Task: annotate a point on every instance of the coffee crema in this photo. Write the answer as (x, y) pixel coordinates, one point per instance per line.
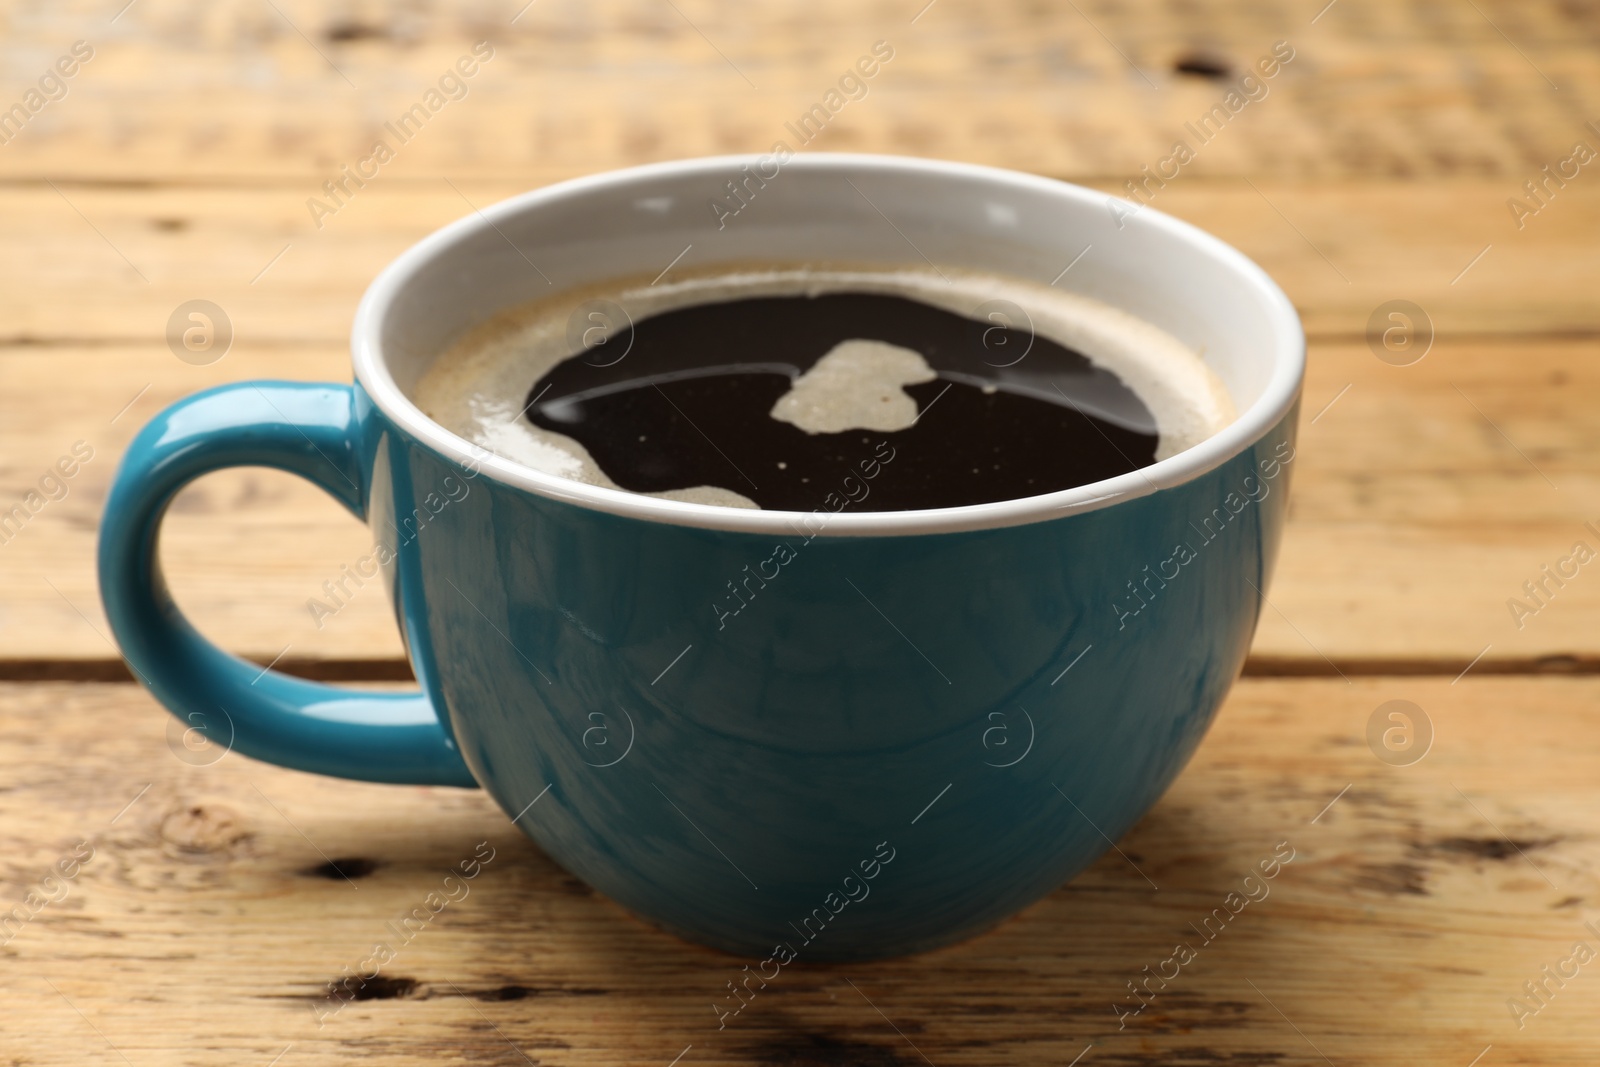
(771, 387)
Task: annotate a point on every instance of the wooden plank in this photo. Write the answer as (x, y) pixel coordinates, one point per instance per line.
(1425, 498)
(1420, 508)
(185, 91)
(107, 263)
(111, 264)
(206, 926)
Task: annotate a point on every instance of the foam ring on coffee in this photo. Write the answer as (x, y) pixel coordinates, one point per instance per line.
(478, 388)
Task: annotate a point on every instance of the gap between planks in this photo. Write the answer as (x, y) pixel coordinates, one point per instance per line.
(1313, 336)
(397, 670)
(292, 182)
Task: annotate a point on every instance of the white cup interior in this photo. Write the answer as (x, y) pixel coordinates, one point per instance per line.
(840, 208)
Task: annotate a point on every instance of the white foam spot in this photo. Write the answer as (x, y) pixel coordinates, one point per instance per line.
(855, 386)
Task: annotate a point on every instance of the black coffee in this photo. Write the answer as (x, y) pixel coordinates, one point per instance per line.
(1011, 414)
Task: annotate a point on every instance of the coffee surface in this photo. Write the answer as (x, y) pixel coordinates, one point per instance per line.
(694, 401)
(799, 389)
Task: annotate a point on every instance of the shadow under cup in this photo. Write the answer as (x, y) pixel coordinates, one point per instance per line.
(819, 736)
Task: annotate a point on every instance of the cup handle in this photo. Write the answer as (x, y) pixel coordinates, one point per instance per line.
(307, 429)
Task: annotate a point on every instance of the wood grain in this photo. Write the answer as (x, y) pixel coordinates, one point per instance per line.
(185, 91)
(213, 913)
(1420, 506)
(1401, 499)
(111, 264)
(207, 924)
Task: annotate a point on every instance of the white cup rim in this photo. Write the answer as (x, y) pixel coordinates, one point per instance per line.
(1274, 401)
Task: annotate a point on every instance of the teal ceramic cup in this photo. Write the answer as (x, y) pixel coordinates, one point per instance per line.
(916, 723)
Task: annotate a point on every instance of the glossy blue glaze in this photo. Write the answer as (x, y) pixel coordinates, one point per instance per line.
(309, 430)
(727, 775)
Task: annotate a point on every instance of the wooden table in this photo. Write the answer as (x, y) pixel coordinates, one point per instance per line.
(211, 902)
